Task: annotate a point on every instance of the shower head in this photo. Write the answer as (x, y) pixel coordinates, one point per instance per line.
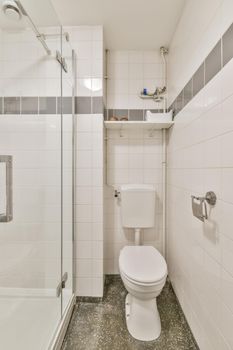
(11, 10)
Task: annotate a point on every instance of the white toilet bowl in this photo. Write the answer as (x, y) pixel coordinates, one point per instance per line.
(143, 271)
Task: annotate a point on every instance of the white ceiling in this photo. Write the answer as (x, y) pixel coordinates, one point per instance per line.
(128, 24)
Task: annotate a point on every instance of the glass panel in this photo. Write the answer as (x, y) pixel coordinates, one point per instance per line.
(67, 160)
(31, 133)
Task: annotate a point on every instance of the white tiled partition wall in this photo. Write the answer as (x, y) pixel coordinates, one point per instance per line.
(87, 41)
(88, 44)
(200, 255)
(89, 206)
(133, 156)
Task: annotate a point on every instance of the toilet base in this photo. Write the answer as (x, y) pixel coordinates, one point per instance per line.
(142, 318)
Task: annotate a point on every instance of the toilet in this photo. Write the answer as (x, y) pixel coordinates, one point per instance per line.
(142, 268)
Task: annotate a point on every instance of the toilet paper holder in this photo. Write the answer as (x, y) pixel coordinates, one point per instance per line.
(199, 207)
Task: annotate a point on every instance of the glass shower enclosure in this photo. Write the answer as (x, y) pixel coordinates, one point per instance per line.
(37, 137)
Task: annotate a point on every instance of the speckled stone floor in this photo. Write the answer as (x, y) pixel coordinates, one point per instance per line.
(101, 326)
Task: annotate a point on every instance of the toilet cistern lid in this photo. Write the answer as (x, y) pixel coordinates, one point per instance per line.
(142, 264)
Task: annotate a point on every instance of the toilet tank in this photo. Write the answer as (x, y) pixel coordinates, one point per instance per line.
(137, 206)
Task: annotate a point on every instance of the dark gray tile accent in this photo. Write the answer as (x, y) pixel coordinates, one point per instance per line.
(180, 101)
(97, 104)
(188, 92)
(199, 79)
(119, 113)
(110, 114)
(47, 105)
(1, 105)
(11, 105)
(155, 110)
(136, 114)
(213, 62)
(174, 108)
(82, 105)
(132, 114)
(29, 105)
(227, 46)
(66, 105)
(105, 114)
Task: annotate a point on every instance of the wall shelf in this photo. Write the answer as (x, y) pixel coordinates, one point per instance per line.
(147, 97)
(126, 125)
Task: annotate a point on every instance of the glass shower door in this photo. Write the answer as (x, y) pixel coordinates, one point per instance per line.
(31, 179)
(30, 231)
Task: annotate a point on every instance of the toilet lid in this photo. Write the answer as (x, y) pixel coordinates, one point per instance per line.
(142, 264)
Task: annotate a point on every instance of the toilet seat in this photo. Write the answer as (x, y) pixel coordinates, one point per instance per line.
(143, 284)
(143, 265)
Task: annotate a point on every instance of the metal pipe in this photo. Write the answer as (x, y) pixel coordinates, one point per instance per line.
(165, 79)
(163, 52)
(39, 36)
(164, 195)
(74, 147)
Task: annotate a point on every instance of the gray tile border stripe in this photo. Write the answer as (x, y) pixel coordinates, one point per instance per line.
(136, 114)
(11, 105)
(132, 114)
(213, 62)
(66, 105)
(219, 56)
(199, 79)
(29, 105)
(188, 92)
(47, 105)
(82, 105)
(50, 105)
(227, 46)
(97, 104)
(118, 113)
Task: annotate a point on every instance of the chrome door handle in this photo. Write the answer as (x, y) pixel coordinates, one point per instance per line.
(8, 215)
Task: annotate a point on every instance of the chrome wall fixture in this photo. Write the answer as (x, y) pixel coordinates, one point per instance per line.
(34, 28)
(47, 36)
(42, 37)
(199, 207)
(62, 61)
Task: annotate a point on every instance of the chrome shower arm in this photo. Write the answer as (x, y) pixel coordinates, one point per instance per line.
(39, 36)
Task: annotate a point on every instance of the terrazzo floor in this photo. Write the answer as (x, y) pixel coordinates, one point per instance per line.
(101, 326)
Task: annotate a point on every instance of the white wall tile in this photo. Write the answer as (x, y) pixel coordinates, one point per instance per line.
(129, 72)
(199, 160)
(89, 208)
(128, 161)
